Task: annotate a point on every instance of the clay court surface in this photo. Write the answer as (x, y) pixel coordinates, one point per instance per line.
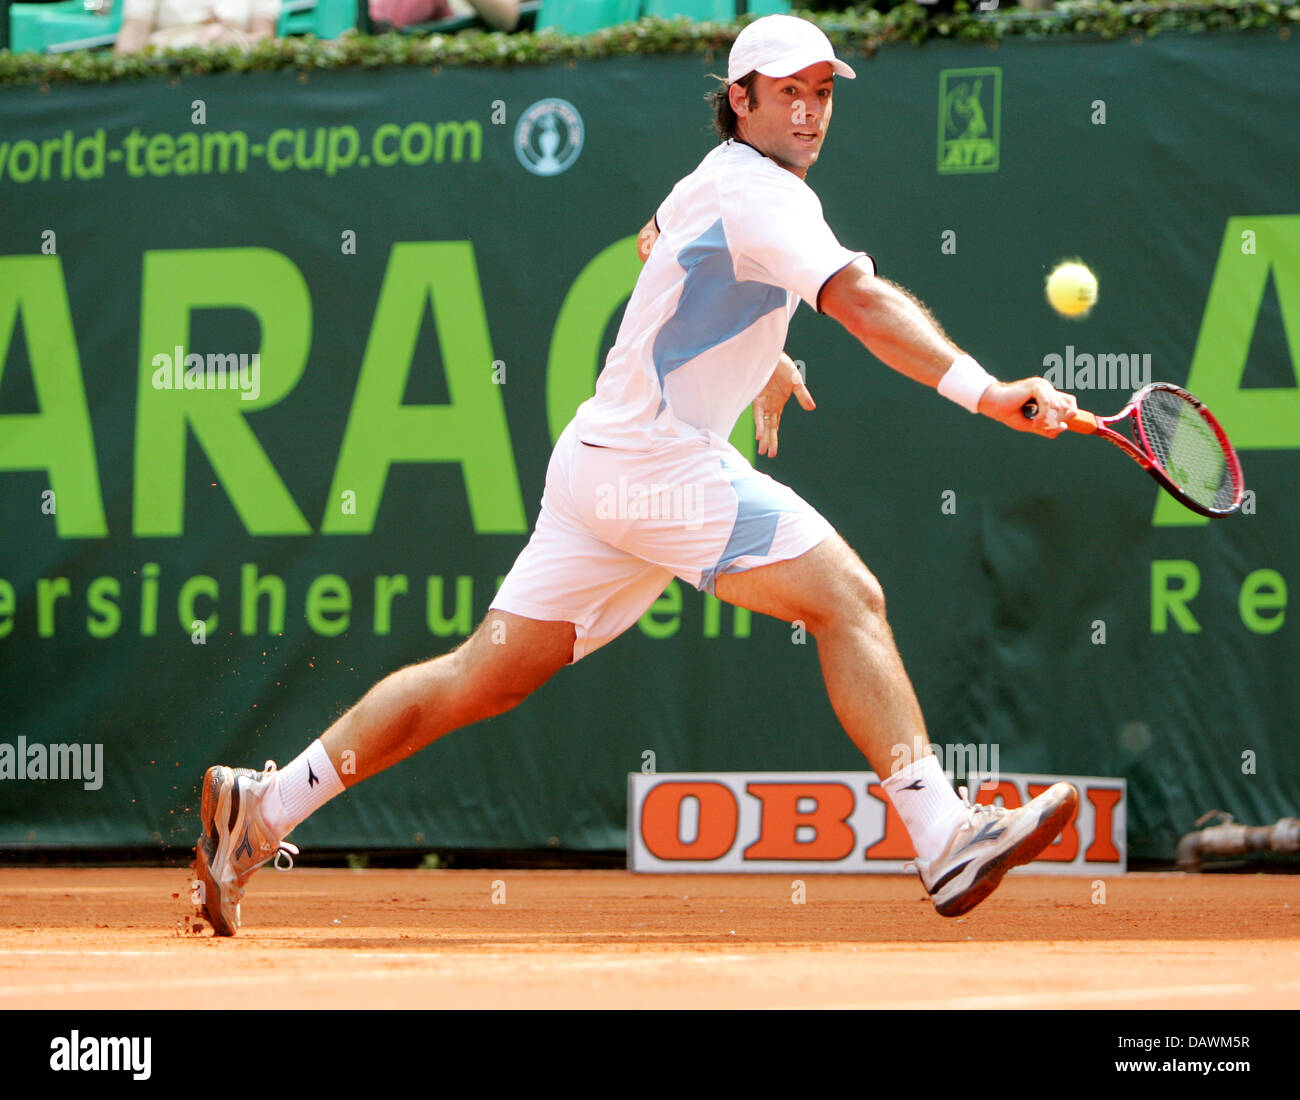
(609, 939)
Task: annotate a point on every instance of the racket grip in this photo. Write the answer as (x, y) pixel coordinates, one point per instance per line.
(1083, 422)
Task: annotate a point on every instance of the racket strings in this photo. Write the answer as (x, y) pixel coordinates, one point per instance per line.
(1187, 449)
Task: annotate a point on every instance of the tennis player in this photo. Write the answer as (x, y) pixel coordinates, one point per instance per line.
(728, 257)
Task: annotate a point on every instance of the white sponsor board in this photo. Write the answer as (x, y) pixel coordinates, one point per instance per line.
(837, 821)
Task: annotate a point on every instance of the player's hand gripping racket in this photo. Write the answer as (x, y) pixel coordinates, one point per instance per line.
(1177, 441)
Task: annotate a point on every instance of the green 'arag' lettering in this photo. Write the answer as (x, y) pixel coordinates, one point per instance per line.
(470, 429)
(571, 369)
(1255, 419)
(57, 439)
(270, 287)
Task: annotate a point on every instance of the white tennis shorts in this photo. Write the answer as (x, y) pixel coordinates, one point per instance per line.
(616, 526)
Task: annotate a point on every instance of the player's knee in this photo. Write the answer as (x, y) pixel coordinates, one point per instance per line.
(504, 693)
(494, 681)
(870, 596)
(501, 699)
(857, 601)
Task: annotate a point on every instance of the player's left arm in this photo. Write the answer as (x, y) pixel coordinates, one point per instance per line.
(897, 328)
(768, 406)
(645, 240)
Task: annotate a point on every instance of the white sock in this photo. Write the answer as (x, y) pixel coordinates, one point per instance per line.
(926, 802)
(299, 789)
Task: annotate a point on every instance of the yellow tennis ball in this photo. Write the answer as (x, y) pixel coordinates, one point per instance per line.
(1072, 289)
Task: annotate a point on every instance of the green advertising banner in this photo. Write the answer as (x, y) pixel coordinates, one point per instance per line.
(283, 357)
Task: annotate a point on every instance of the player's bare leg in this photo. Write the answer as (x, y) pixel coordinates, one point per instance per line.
(842, 605)
(503, 662)
(246, 814)
(962, 851)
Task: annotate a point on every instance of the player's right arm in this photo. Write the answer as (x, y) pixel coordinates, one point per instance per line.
(899, 331)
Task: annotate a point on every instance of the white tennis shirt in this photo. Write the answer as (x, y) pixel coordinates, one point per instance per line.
(741, 241)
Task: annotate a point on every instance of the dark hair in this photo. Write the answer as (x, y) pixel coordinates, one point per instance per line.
(725, 120)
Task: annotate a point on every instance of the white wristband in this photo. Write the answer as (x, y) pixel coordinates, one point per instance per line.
(965, 383)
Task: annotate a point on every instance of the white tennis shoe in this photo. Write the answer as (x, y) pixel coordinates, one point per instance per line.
(989, 842)
(234, 843)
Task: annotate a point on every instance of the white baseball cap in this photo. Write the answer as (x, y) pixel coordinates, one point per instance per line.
(781, 45)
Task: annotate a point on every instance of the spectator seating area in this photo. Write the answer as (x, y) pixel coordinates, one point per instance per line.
(584, 16)
(68, 25)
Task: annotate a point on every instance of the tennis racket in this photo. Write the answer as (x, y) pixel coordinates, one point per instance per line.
(1177, 441)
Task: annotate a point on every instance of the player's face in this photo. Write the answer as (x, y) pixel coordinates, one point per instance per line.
(790, 119)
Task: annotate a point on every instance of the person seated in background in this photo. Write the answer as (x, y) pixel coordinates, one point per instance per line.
(195, 23)
(501, 15)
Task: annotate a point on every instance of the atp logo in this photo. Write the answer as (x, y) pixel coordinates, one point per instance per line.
(970, 120)
(548, 137)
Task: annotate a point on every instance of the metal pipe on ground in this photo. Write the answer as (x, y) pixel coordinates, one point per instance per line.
(1231, 839)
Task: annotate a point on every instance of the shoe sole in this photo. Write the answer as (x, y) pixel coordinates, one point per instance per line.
(216, 801)
(1045, 832)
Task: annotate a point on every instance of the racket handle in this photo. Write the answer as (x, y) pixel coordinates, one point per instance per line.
(1083, 422)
